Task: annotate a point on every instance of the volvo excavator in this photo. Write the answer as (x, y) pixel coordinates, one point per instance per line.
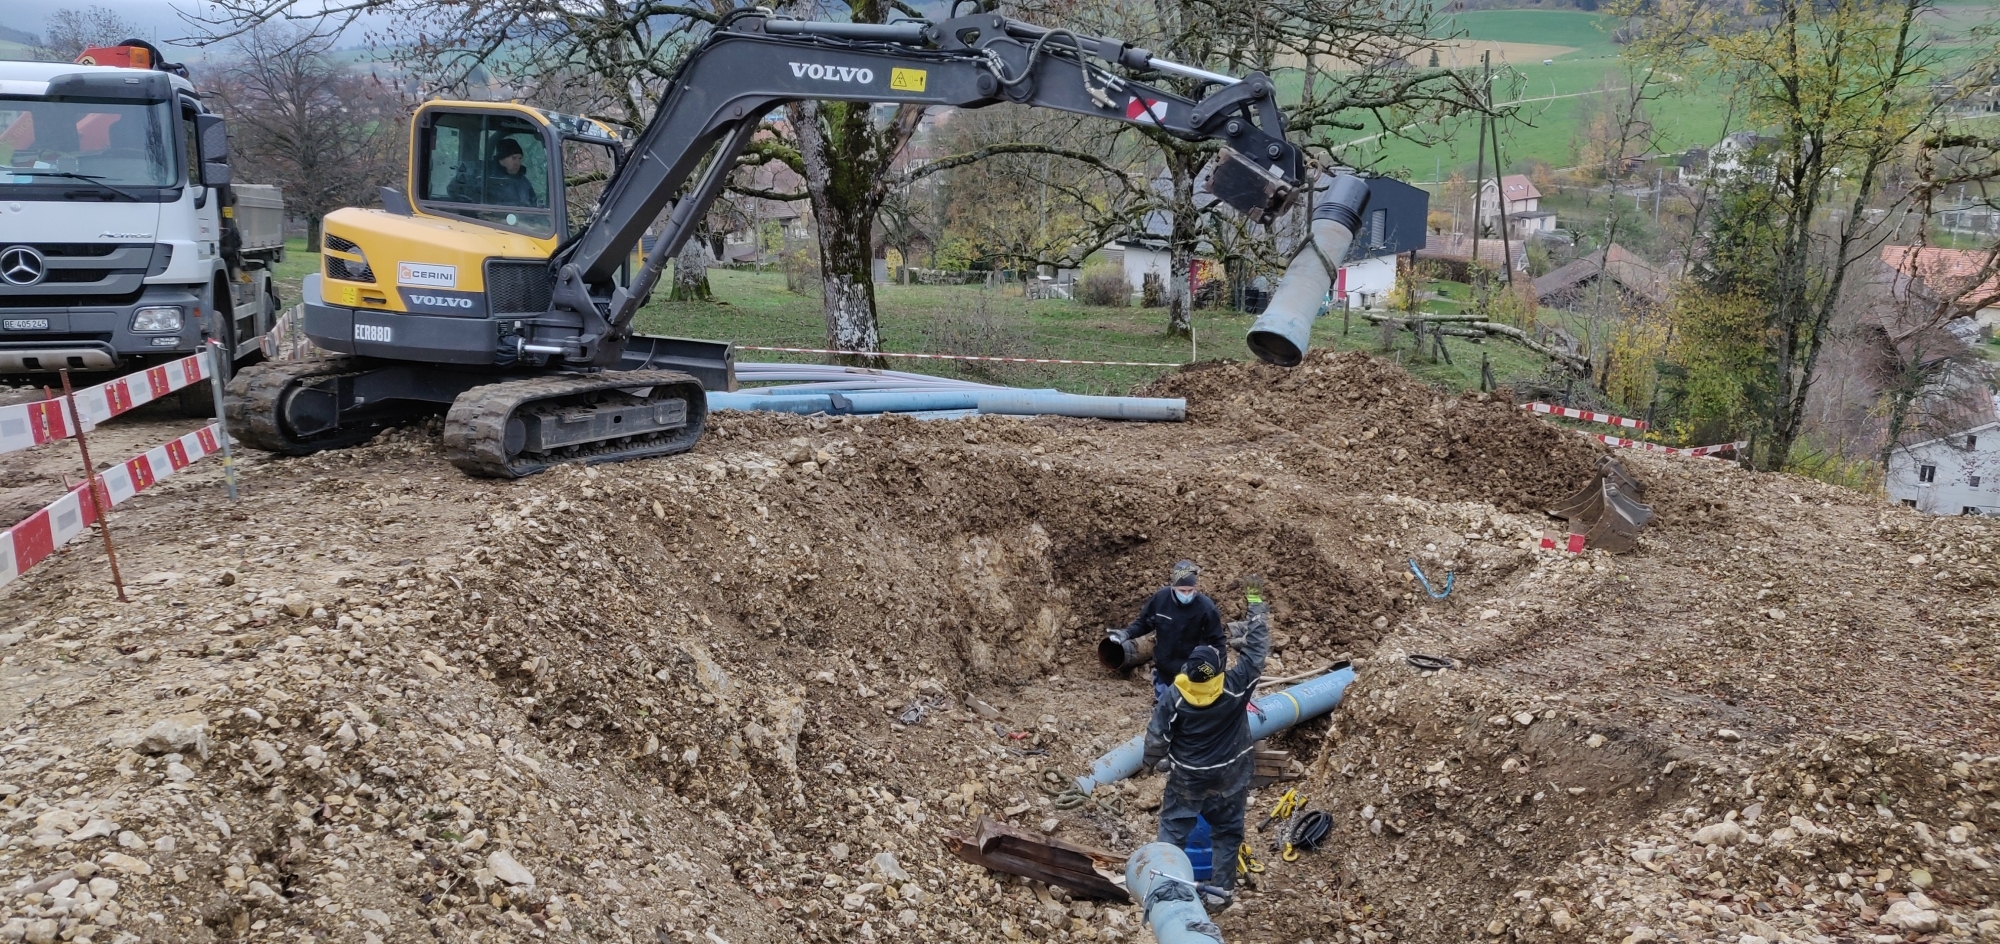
(501, 292)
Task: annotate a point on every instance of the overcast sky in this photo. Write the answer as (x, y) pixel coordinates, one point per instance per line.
(157, 20)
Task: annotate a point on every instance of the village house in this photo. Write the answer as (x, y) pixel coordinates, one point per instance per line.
(1634, 282)
(1957, 474)
(1962, 275)
(1525, 216)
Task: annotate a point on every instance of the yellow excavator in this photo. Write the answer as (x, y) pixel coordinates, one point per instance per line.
(499, 290)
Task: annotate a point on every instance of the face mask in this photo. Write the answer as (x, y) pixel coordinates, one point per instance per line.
(1184, 595)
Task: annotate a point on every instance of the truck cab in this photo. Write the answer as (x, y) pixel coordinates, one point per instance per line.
(122, 241)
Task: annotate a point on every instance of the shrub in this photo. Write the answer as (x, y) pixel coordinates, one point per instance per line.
(1104, 287)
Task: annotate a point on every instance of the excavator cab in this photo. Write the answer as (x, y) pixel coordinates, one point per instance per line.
(494, 188)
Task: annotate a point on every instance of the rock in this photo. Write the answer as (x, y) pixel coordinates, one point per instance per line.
(297, 606)
(379, 918)
(1724, 834)
(504, 868)
(119, 861)
(176, 735)
(472, 842)
(103, 889)
(1562, 920)
(797, 451)
(837, 852)
(1595, 740)
(1908, 917)
(886, 866)
(1728, 735)
(854, 901)
(1524, 718)
(911, 893)
(42, 932)
(1640, 935)
(94, 829)
(1750, 814)
(1920, 878)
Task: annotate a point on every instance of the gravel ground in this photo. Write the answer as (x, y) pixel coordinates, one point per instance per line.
(378, 701)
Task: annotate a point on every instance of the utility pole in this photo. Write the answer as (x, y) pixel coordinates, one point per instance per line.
(1479, 176)
(1499, 179)
(1659, 181)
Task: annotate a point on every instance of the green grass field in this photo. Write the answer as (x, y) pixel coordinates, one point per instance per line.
(753, 308)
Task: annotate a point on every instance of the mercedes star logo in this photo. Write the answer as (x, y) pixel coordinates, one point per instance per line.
(22, 265)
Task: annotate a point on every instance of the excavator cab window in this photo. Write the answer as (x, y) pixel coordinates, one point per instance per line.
(493, 168)
(587, 167)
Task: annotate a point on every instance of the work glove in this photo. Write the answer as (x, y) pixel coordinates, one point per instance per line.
(1115, 635)
(1253, 588)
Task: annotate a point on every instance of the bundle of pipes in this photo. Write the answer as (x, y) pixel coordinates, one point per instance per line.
(846, 390)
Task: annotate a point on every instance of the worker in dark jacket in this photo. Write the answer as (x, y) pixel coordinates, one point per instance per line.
(1204, 736)
(1180, 618)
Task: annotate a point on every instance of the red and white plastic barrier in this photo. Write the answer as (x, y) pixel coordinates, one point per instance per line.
(1622, 443)
(27, 425)
(33, 540)
(1572, 543)
(1585, 415)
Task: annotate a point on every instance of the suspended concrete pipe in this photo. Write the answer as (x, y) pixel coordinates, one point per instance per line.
(1273, 713)
(1161, 879)
(1124, 655)
(1281, 334)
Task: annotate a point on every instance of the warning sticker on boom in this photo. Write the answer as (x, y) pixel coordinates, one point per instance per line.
(908, 80)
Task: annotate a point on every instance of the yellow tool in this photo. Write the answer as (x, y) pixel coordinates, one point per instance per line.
(1246, 861)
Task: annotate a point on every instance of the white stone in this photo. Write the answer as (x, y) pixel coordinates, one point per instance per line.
(121, 862)
(380, 918)
(507, 870)
(1723, 834)
(1908, 917)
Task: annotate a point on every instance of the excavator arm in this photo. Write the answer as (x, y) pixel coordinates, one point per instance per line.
(755, 61)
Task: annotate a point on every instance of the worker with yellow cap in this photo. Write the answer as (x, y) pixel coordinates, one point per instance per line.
(1203, 730)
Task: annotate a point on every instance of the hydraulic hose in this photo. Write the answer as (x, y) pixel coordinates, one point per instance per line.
(1283, 332)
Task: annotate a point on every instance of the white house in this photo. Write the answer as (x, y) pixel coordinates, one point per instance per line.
(1525, 216)
(1957, 474)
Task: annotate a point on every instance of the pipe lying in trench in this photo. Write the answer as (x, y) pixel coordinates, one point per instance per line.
(1283, 332)
(1161, 879)
(1274, 713)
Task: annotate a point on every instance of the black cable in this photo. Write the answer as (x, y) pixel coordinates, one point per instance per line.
(1311, 828)
(1431, 663)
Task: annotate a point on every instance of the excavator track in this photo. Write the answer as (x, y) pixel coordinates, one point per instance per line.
(257, 400)
(485, 431)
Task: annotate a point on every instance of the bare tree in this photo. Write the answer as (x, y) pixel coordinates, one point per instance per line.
(69, 31)
(327, 134)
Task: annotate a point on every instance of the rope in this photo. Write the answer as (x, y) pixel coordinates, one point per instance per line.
(1449, 577)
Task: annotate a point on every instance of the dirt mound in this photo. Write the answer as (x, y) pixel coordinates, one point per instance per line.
(737, 695)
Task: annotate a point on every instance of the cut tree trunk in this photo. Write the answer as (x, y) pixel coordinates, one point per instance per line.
(691, 273)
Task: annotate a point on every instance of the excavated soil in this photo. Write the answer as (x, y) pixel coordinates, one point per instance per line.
(738, 695)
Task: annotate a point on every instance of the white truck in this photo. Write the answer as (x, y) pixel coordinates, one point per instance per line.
(123, 242)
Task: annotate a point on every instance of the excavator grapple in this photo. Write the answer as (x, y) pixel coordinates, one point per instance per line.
(1606, 512)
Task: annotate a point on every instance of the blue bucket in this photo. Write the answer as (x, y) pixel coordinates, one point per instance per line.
(1200, 851)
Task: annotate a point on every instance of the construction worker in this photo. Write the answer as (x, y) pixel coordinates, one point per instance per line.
(1204, 738)
(1180, 618)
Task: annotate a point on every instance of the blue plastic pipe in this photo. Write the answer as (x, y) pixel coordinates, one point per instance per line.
(1013, 403)
(1272, 713)
(1036, 402)
(1162, 882)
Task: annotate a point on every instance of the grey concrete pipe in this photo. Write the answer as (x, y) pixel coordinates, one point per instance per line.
(1124, 655)
(1283, 332)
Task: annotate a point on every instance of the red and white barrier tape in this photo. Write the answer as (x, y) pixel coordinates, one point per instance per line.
(1572, 543)
(955, 357)
(27, 425)
(1623, 443)
(33, 540)
(1586, 415)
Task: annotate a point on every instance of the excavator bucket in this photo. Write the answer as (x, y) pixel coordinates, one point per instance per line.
(1607, 511)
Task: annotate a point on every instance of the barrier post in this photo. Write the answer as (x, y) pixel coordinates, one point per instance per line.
(99, 497)
(215, 362)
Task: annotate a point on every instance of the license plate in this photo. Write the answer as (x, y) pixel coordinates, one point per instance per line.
(368, 332)
(26, 324)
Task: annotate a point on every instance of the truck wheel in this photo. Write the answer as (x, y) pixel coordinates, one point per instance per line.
(197, 401)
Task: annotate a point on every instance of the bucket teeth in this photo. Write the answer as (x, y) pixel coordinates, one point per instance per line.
(1607, 511)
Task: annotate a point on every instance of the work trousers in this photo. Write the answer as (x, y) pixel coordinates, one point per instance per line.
(1223, 809)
